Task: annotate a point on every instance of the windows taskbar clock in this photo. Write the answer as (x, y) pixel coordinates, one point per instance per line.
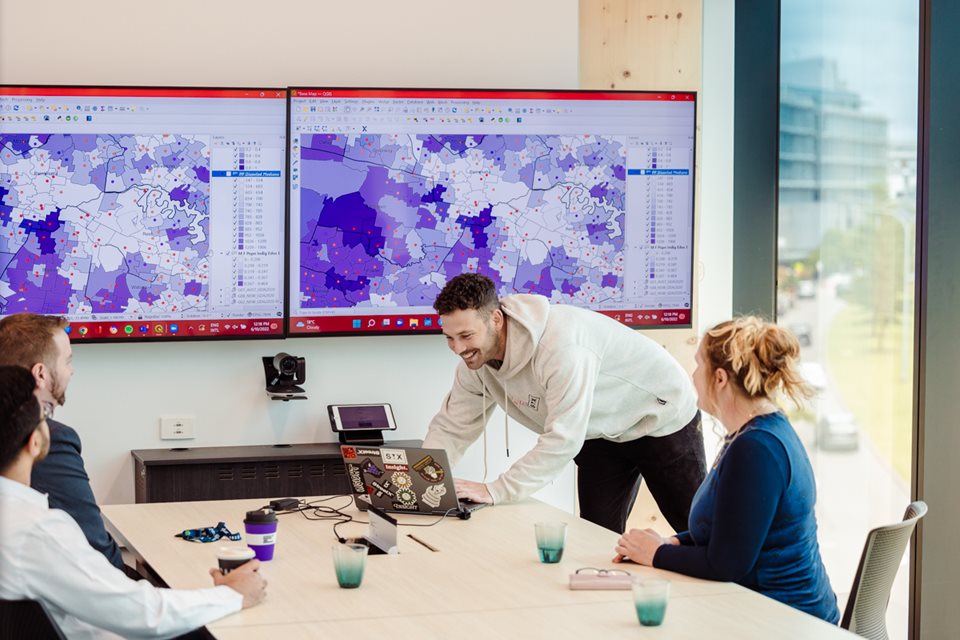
(149, 329)
(430, 323)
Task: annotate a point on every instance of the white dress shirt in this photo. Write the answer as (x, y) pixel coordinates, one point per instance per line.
(44, 556)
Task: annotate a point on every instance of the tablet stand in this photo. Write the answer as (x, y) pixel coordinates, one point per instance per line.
(373, 437)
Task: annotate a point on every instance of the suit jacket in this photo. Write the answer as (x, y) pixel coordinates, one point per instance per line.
(62, 476)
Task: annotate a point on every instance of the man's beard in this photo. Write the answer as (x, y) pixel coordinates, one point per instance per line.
(58, 392)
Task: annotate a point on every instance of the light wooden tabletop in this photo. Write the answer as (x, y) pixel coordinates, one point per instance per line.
(483, 580)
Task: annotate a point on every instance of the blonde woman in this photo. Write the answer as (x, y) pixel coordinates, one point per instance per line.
(752, 520)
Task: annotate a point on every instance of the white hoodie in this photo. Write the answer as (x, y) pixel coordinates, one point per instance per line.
(570, 375)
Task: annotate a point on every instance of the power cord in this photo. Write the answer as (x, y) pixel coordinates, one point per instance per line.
(316, 511)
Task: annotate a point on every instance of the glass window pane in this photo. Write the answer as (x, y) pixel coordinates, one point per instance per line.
(847, 198)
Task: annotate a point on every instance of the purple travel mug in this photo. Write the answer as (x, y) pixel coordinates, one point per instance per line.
(260, 527)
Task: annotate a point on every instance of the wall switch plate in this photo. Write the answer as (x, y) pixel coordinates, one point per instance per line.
(176, 427)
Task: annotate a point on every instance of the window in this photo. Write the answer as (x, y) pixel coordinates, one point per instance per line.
(847, 197)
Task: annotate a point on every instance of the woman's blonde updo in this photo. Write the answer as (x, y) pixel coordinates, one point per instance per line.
(760, 356)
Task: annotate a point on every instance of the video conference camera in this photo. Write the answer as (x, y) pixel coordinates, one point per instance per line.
(283, 373)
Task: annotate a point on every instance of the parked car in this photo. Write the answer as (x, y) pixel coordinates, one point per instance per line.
(806, 289)
(814, 375)
(803, 332)
(838, 432)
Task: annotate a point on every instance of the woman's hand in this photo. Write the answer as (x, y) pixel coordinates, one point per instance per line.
(640, 546)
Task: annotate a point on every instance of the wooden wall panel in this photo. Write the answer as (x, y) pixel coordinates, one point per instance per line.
(653, 45)
(640, 44)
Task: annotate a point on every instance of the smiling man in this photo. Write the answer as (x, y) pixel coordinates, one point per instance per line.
(597, 392)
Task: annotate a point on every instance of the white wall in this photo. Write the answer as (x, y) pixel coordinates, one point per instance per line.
(121, 390)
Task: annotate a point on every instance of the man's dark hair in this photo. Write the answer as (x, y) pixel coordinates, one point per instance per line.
(19, 412)
(468, 291)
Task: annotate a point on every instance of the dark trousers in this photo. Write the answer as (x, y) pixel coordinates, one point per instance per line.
(610, 473)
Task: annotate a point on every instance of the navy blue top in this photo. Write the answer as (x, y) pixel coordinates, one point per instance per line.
(62, 476)
(752, 521)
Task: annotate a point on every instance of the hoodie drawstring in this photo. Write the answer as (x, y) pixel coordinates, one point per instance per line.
(506, 420)
(483, 383)
(506, 417)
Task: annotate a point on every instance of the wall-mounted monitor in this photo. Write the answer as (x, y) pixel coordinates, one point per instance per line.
(144, 213)
(583, 197)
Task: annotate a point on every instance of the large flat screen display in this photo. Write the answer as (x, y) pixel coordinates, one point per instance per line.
(144, 213)
(583, 197)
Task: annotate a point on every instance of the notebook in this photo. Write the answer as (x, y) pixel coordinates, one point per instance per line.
(403, 480)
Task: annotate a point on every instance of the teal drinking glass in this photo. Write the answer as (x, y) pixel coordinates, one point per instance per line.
(349, 561)
(650, 600)
(551, 537)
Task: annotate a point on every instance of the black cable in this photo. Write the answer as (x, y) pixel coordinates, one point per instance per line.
(321, 512)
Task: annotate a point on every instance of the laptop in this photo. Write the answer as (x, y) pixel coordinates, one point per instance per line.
(403, 480)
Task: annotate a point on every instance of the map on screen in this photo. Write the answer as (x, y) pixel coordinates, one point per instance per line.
(144, 213)
(388, 218)
(121, 219)
(583, 197)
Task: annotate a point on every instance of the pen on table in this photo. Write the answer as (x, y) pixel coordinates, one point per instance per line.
(419, 541)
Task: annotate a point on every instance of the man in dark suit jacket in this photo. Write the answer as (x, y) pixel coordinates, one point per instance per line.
(40, 344)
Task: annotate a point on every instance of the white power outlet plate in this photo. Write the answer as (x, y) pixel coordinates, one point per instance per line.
(176, 427)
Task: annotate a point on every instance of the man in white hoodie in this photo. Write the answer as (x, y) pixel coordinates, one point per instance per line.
(597, 392)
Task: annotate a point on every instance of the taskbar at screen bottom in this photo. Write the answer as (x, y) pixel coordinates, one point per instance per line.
(80, 330)
(430, 323)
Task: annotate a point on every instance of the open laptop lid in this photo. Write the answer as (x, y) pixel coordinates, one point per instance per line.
(400, 479)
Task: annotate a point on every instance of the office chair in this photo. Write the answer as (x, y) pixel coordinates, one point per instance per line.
(27, 619)
(866, 611)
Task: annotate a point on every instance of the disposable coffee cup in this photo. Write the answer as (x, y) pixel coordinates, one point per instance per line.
(260, 529)
(229, 558)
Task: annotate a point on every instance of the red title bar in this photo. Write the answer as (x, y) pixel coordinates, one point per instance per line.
(128, 92)
(445, 94)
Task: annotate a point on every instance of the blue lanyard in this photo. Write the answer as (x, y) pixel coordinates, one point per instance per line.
(208, 534)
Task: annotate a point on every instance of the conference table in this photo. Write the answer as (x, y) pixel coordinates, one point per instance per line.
(476, 578)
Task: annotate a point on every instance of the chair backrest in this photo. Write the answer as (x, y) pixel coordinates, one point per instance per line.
(866, 610)
(27, 619)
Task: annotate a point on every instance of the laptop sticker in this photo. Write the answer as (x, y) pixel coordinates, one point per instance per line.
(368, 466)
(394, 456)
(385, 489)
(429, 470)
(406, 497)
(402, 479)
(356, 478)
(433, 494)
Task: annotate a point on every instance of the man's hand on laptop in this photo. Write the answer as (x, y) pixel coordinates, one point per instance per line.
(473, 491)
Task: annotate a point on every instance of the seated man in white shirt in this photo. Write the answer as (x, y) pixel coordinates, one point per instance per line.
(44, 555)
